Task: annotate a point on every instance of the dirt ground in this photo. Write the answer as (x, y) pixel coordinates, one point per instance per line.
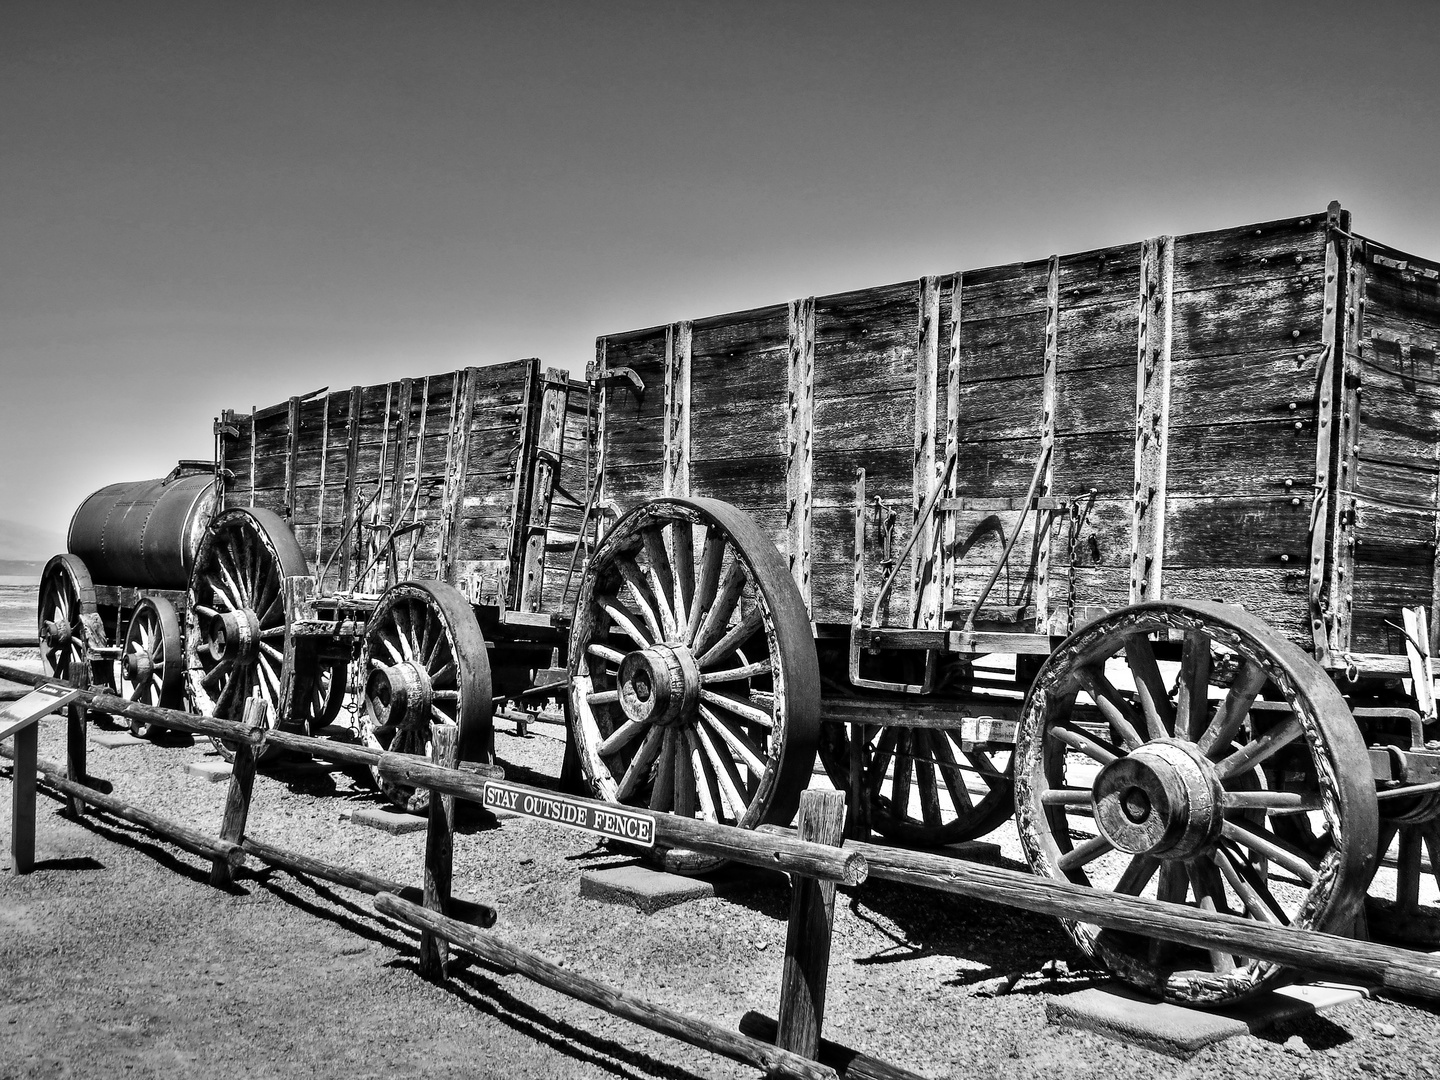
(118, 959)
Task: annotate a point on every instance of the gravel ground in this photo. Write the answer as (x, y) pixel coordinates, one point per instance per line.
(117, 959)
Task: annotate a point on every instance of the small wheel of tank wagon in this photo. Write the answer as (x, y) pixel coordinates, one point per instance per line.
(68, 620)
(425, 662)
(1172, 750)
(694, 683)
(235, 617)
(320, 694)
(151, 668)
(922, 788)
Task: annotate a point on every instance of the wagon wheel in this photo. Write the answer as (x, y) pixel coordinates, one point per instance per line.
(427, 663)
(320, 693)
(1175, 784)
(151, 660)
(694, 684)
(922, 788)
(235, 619)
(68, 620)
(1395, 912)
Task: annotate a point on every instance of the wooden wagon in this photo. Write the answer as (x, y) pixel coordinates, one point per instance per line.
(1186, 488)
(1137, 544)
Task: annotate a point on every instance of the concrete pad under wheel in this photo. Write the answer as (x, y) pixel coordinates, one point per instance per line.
(214, 771)
(394, 822)
(112, 739)
(640, 887)
(1120, 1013)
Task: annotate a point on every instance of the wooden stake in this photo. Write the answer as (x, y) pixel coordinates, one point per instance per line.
(22, 800)
(242, 781)
(75, 753)
(807, 943)
(770, 1059)
(439, 850)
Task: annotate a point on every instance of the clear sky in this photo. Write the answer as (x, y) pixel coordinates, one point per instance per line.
(220, 205)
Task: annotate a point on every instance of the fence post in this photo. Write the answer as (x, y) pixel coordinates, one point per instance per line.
(242, 782)
(22, 799)
(76, 723)
(807, 942)
(439, 850)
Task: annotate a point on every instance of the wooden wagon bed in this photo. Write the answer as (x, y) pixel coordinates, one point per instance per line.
(1247, 416)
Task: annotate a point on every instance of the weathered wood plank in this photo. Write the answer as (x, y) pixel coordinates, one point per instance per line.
(1152, 419)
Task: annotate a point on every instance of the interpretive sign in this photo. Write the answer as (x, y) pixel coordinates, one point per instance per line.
(616, 822)
(45, 698)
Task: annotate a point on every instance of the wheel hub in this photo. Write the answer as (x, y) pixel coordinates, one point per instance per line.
(659, 684)
(56, 633)
(399, 695)
(139, 667)
(235, 634)
(1162, 799)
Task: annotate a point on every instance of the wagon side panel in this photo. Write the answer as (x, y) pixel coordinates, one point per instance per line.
(1247, 320)
(1392, 497)
(571, 497)
(729, 442)
(633, 419)
(864, 396)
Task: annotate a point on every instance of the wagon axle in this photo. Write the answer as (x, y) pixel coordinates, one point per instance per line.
(400, 695)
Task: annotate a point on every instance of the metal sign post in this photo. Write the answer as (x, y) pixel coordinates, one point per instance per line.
(20, 720)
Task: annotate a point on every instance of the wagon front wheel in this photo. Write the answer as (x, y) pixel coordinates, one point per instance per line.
(151, 660)
(424, 662)
(235, 618)
(694, 683)
(1187, 753)
(68, 620)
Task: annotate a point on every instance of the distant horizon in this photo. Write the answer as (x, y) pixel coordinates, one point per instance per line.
(215, 206)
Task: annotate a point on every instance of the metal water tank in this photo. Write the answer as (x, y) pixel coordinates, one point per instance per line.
(145, 533)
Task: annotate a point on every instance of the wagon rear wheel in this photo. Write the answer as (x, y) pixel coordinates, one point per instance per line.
(1176, 751)
(694, 684)
(68, 619)
(425, 663)
(235, 619)
(922, 787)
(151, 668)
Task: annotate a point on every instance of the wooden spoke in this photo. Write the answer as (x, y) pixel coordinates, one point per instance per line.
(734, 637)
(1150, 687)
(1270, 846)
(603, 697)
(726, 775)
(218, 672)
(642, 596)
(718, 617)
(686, 802)
(748, 671)
(1258, 750)
(445, 695)
(711, 560)
(1432, 848)
(1066, 797)
(1118, 713)
(272, 652)
(880, 760)
(1407, 870)
(1137, 874)
(1248, 683)
(640, 764)
(706, 788)
(604, 652)
(904, 769)
(1079, 740)
(662, 582)
(1085, 854)
(626, 625)
(1171, 889)
(746, 712)
(925, 778)
(662, 794)
(1252, 892)
(1192, 701)
(1271, 800)
(621, 736)
(951, 775)
(682, 562)
(393, 648)
(446, 673)
(749, 753)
